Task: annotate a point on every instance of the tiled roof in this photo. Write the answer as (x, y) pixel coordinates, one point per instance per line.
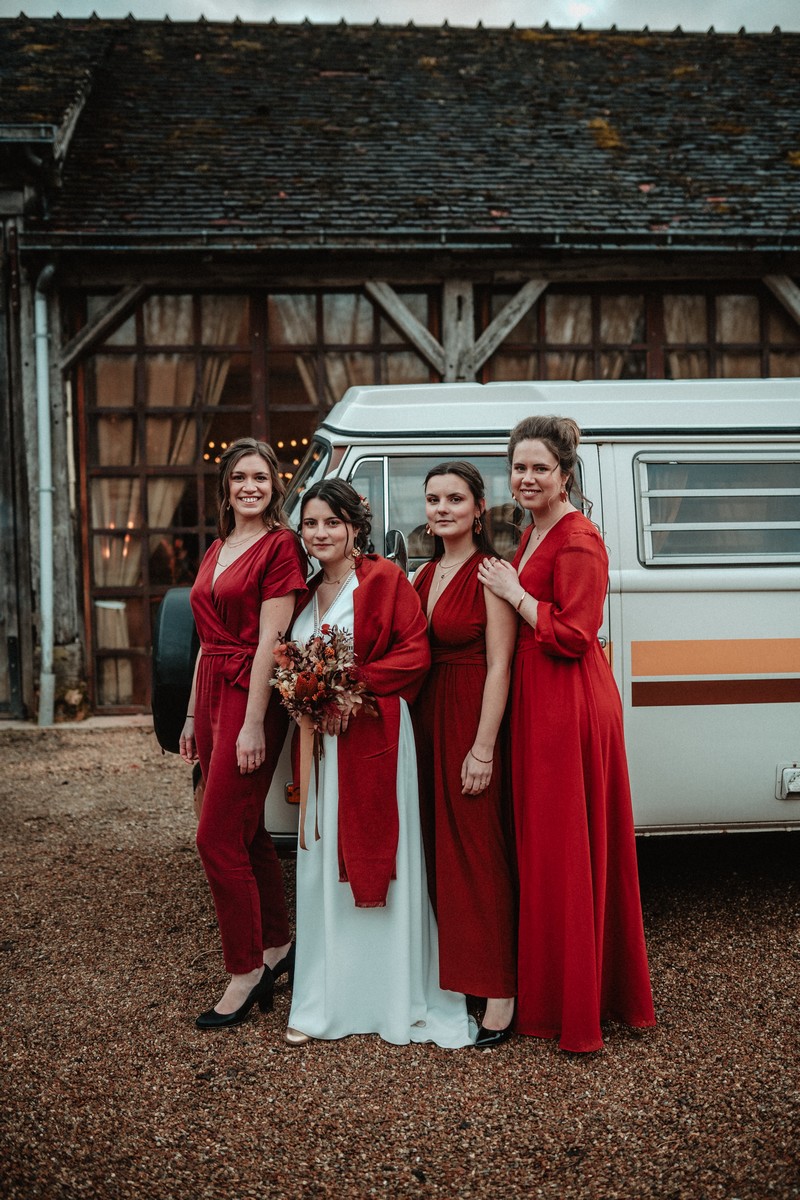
(312, 135)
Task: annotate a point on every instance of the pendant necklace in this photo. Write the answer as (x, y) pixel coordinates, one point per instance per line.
(453, 566)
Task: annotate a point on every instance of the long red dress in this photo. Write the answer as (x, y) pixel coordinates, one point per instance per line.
(581, 951)
(468, 860)
(238, 855)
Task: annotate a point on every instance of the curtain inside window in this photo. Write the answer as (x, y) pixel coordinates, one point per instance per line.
(169, 439)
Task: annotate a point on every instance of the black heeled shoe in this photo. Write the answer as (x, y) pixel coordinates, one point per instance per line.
(487, 1039)
(261, 995)
(285, 966)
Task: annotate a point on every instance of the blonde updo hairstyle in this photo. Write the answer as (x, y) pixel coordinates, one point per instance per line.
(272, 516)
(561, 436)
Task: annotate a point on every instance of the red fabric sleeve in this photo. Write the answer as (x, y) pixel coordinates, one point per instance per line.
(567, 626)
(283, 569)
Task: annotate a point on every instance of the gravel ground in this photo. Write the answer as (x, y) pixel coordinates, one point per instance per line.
(109, 950)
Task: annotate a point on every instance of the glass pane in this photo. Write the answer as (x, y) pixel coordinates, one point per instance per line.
(732, 510)
(111, 380)
(115, 503)
(117, 560)
(568, 366)
(168, 321)
(685, 319)
(313, 467)
(622, 319)
(171, 502)
(404, 367)
(738, 319)
(505, 365)
(759, 477)
(124, 335)
(727, 543)
(783, 329)
(169, 380)
(686, 364)
(173, 559)
(292, 380)
(123, 681)
(761, 505)
(292, 320)
(221, 430)
(346, 370)
(568, 319)
(347, 318)
(623, 365)
(417, 304)
(291, 437)
(407, 503)
(227, 379)
(784, 366)
(171, 441)
(739, 366)
(112, 441)
(225, 320)
(367, 479)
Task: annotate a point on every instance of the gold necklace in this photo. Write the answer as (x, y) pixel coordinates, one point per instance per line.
(232, 545)
(444, 570)
(341, 577)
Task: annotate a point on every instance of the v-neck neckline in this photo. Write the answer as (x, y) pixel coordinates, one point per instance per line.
(216, 576)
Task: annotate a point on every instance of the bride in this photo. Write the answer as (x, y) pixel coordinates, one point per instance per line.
(367, 951)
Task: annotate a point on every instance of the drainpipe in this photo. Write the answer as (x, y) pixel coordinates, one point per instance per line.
(47, 679)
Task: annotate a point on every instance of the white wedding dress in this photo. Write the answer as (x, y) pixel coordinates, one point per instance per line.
(368, 970)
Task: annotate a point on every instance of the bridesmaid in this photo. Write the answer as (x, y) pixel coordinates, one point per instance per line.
(242, 601)
(457, 720)
(367, 957)
(582, 955)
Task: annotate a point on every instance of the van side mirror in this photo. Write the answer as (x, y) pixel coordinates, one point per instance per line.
(396, 549)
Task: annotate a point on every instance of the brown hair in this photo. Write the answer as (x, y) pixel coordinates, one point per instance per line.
(561, 436)
(272, 516)
(474, 481)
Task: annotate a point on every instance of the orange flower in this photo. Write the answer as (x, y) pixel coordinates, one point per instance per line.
(306, 686)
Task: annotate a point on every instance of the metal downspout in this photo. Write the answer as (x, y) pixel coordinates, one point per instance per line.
(41, 334)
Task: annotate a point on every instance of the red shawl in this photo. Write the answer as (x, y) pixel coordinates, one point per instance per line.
(391, 646)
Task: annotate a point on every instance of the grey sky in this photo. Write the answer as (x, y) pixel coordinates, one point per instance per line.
(724, 15)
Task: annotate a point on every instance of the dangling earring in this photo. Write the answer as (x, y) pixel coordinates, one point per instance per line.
(356, 554)
(428, 530)
(477, 525)
(563, 495)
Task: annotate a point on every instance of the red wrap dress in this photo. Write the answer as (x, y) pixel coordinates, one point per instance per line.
(238, 855)
(467, 852)
(581, 951)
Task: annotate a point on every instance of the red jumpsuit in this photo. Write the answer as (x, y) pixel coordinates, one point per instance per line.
(469, 866)
(237, 852)
(581, 950)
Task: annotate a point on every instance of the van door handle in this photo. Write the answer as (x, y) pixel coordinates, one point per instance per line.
(602, 640)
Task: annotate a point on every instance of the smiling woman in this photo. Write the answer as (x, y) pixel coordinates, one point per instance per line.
(242, 602)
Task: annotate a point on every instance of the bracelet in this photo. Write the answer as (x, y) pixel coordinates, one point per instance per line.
(190, 716)
(518, 606)
(485, 761)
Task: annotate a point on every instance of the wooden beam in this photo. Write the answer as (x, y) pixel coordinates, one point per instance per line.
(101, 324)
(509, 316)
(421, 338)
(458, 328)
(787, 291)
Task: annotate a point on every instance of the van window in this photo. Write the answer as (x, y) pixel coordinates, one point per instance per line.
(313, 468)
(713, 510)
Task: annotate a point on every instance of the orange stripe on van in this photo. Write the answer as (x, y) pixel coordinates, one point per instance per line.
(743, 656)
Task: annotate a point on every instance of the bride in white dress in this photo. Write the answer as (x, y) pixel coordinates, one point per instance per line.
(371, 967)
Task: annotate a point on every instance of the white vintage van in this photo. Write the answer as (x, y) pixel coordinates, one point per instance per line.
(696, 488)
